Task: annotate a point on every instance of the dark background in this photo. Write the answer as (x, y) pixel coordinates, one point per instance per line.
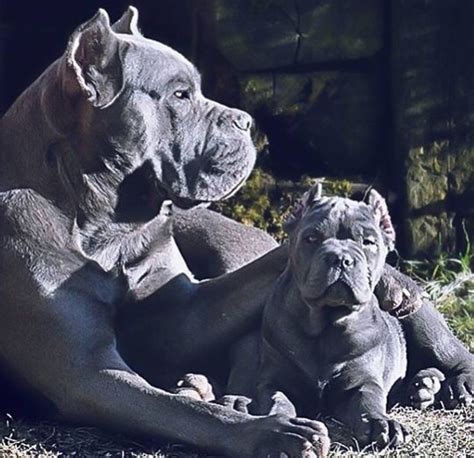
(375, 91)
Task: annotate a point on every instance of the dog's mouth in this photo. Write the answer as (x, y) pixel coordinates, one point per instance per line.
(338, 295)
(186, 203)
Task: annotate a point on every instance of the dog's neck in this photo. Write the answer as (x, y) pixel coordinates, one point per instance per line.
(80, 180)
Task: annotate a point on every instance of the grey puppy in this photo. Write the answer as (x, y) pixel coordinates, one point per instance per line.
(327, 345)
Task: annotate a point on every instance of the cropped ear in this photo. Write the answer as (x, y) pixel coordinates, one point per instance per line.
(128, 23)
(93, 66)
(301, 208)
(382, 217)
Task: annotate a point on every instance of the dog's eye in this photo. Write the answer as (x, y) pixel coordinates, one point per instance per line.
(369, 241)
(181, 94)
(313, 238)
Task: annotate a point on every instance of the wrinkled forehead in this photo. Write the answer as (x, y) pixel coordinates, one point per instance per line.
(333, 214)
(151, 64)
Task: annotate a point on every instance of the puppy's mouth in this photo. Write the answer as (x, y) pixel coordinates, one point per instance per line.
(339, 295)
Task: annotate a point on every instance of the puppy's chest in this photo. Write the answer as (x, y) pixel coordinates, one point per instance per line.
(326, 365)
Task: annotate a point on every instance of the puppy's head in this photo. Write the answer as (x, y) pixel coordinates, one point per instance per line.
(338, 248)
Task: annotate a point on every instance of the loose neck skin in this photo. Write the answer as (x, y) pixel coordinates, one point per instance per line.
(40, 150)
(316, 319)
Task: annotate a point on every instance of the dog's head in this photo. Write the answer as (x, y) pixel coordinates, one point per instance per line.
(338, 248)
(138, 101)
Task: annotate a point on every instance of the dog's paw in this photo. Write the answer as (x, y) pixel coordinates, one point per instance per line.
(381, 432)
(195, 386)
(424, 388)
(458, 390)
(284, 437)
(235, 402)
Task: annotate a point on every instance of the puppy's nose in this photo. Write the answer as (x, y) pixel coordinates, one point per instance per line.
(343, 260)
(346, 261)
(242, 120)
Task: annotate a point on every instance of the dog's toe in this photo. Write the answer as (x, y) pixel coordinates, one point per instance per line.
(195, 386)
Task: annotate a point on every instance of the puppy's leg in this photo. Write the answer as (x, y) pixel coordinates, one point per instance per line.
(244, 364)
(244, 361)
(365, 413)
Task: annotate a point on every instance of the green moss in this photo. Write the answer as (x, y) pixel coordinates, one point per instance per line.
(260, 203)
(265, 202)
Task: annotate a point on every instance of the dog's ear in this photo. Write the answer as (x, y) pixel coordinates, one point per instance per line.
(304, 204)
(93, 66)
(128, 23)
(382, 216)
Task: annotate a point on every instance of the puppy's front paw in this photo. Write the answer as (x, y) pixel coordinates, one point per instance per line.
(195, 386)
(239, 403)
(381, 432)
(458, 390)
(424, 388)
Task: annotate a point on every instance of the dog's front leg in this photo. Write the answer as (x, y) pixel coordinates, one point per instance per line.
(68, 353)
(365, 413)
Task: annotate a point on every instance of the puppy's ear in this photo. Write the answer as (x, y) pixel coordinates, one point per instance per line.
(304, 204)
(128, 23)
(382, 217)
(93, 67)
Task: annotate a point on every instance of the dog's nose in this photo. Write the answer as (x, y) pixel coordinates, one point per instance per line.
(242, 120)
(343, 260)
(347, 261)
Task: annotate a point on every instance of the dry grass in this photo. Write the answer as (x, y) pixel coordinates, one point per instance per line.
(435, 433)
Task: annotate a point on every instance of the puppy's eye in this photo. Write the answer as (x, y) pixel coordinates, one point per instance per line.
(369, 242)
(313, 238)
(181, 95)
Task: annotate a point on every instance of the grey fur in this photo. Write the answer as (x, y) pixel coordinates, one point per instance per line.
(99, 309)
(79, 252)
(327, 348)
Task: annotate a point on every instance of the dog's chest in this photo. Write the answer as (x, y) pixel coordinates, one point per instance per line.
(324, 365)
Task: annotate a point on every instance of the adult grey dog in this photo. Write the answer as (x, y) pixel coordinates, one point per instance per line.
(98, 306)
(327, 347)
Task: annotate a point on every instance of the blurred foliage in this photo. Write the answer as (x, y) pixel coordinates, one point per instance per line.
(265, 202)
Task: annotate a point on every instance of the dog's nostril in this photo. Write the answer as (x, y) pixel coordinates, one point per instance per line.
(243, 121)
(347, 261)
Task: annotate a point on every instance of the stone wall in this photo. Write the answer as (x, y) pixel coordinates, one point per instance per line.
(375, 90)
(433, 107)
